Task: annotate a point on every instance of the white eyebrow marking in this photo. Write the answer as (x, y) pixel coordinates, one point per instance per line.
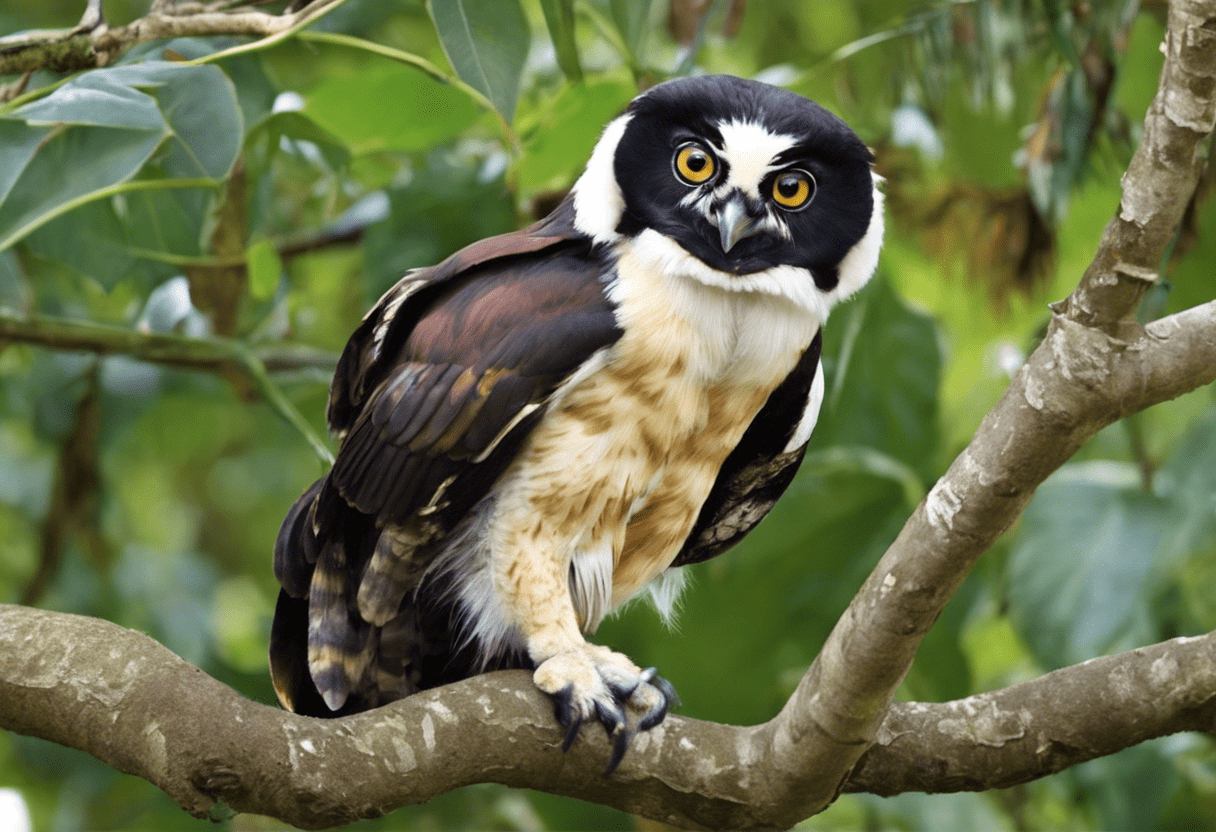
(750, 148)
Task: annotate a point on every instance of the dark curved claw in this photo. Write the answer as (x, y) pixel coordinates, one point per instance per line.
(646, 693)
(612, 718)
(619, 746)
(666, 688)
(668, 699)
(567, 715)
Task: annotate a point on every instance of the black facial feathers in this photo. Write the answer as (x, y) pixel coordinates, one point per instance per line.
(806, 137)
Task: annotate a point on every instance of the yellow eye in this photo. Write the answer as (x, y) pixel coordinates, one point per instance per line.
(694, 164)
(793, 189)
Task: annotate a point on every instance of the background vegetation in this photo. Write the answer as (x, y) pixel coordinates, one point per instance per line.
(282, 190)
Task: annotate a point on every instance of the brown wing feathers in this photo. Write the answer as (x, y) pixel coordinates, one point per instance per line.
(433, 396)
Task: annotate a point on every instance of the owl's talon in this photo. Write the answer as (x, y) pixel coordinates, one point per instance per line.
(596, 683)
(619, 746)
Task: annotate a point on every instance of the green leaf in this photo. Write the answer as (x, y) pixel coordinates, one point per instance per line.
(18, 144)
(165, 220)
(98, 98)
(299, 127)
(395, 108)
(265, 267)
(14, 288)
(90, 239)
(254, 90)
(74, 164)
(882, 365)
(487, 43)
(632, 18)
(199, 105)
(559, 17)
(1082, 567)
(111, 123)
(557, 150)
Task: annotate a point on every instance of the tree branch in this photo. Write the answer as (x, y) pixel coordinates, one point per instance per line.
(212, 355)
(223, 356)
(116, 694)
(1092, 368)
(1162, 174)
(1011, 736)
(1077, 381)
(93, 44)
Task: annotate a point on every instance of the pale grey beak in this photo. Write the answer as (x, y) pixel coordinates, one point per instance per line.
(733, 221)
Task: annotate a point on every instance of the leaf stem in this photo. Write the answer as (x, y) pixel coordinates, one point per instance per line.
(112, 190)
(318, 11)
(215, 355)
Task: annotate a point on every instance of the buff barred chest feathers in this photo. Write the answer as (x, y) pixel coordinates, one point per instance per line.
(552, 421)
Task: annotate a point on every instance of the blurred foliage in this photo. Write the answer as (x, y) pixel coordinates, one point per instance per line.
(313, 173)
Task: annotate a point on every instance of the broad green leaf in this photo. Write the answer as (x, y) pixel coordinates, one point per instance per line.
(14, 288)
(487, 43)
(1082, 570)
(164, 220)
(299, 127)
(395, 109)
(559, 17)
(111, 123)
(554, 155)
(254, 89)
(74, 164)
(200, 107)
(882, 366)
(18, 144)
(90, 239)
(632, 18)
(265, 267)
(99, 98)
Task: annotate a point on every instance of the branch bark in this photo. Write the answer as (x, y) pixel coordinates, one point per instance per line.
(92, 43)
(1011, 736)
(131, 703)
(1082, 377)
(122, 697)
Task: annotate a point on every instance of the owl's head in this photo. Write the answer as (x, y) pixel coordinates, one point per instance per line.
(745, 177)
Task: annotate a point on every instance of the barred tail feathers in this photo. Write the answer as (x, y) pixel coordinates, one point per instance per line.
(347, 633)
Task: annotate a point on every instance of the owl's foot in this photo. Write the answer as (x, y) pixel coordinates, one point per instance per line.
(595, 682)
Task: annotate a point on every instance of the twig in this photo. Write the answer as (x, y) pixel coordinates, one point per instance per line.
(93, 44)
(214, 355)
(73, 493)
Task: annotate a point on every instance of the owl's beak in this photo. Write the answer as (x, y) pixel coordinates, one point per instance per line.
(734, 222)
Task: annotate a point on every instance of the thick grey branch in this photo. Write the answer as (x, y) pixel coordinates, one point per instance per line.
(999, 739)
(1077, 381)
(1092, 368)
(125, 699)
(1162, 174)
